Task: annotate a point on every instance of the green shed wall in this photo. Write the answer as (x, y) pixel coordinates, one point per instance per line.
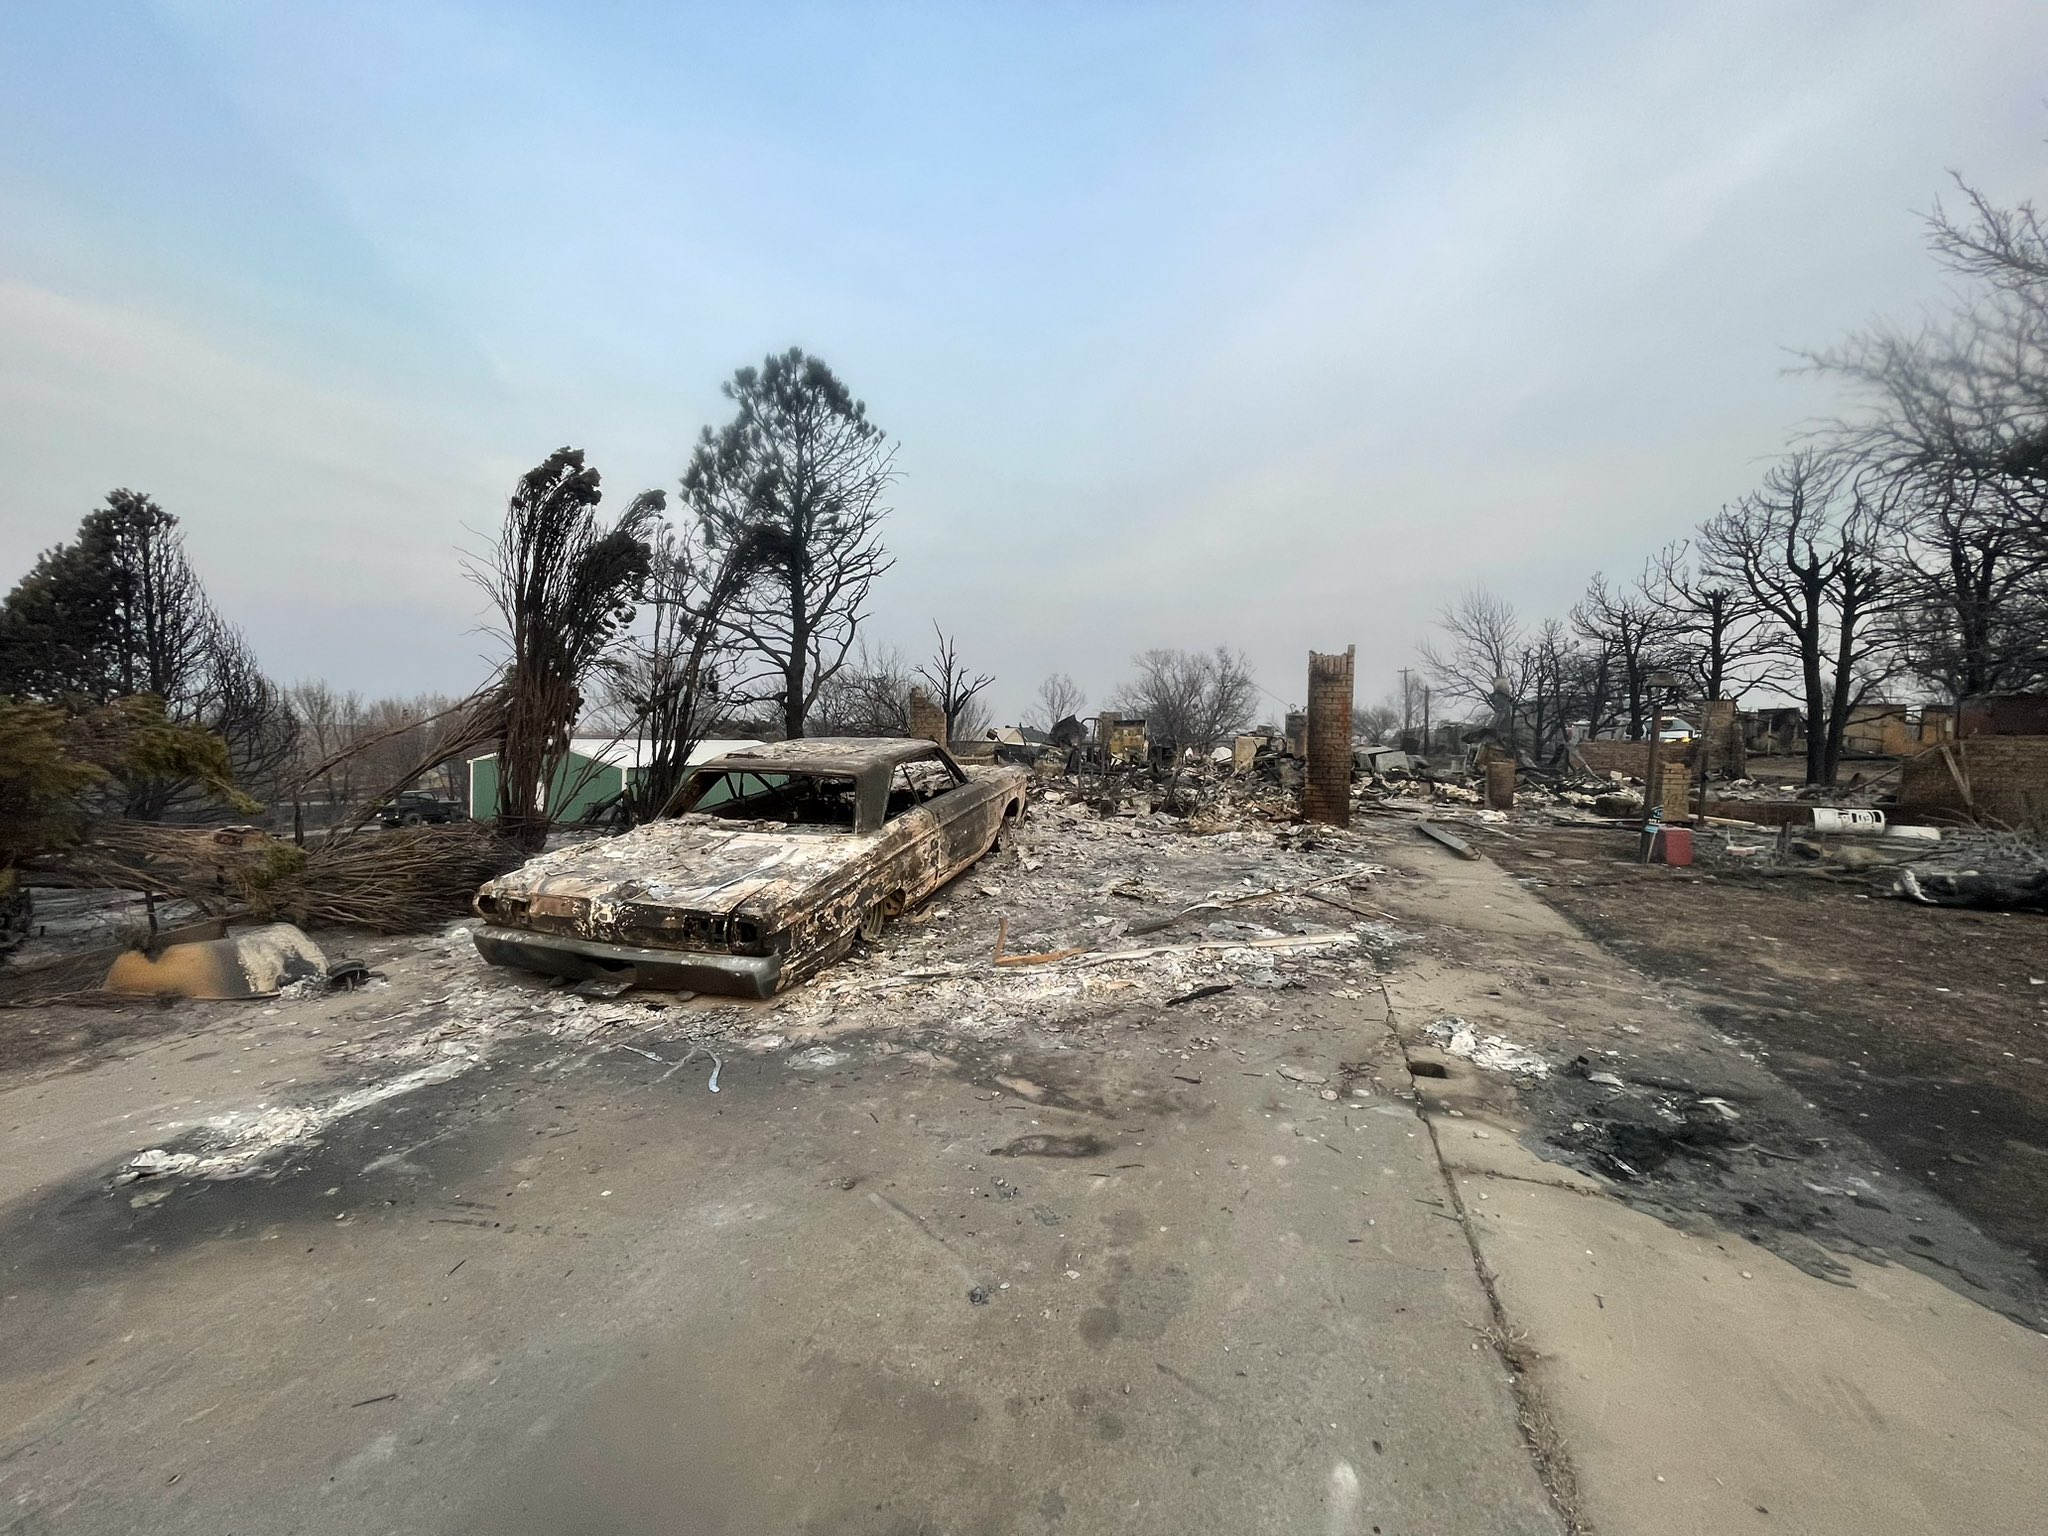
(579, 784)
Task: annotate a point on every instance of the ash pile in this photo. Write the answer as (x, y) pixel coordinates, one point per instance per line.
(1109, 905)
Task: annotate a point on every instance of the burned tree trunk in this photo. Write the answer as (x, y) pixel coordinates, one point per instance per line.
(565, 588)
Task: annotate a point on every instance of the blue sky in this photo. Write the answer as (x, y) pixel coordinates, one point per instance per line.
(1267, 325)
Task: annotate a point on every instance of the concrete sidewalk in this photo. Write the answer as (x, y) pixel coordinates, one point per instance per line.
(1695, 1380)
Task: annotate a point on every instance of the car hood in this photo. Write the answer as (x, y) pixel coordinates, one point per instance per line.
(691, 863)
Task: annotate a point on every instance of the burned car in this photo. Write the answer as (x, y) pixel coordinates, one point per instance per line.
(777, 859)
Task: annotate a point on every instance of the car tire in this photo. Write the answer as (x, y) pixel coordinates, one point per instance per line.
(873, 921)
(409, 819)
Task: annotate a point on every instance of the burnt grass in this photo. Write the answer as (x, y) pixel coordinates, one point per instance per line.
(1919, 1028)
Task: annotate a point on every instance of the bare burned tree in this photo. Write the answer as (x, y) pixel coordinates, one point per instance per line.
(1628, 627)
(1956, 419)
(869, 696)
(953, 688)
(377, 749)
(433, 724)
(330, 722)
(670, 681)
(1482, 644)
(1966, 398)
(1555, 673)
(1807, 547)
(1483, 659)
(250, 713)
(564, 586)
(1191, 698)
(1058, 697)
(1973, 614)
(801, 470)
(1717, 636)
(1377, 725)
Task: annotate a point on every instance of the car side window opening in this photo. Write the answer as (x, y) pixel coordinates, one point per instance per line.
(823, 800)
(913, 783)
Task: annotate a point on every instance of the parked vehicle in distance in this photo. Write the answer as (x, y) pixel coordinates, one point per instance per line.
(412, 807)
(1675, 730)
(779, 857)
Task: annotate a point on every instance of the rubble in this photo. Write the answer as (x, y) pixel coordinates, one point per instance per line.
(1994, 893)
(1490, 1052)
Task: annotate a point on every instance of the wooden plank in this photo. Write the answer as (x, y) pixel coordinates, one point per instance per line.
(1435, 833)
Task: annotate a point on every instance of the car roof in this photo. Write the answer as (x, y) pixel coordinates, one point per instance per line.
(829, 754)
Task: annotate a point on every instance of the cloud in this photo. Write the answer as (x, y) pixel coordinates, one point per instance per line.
(309, 504)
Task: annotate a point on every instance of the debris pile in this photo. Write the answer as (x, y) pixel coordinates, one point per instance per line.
(1090, 913)
(1971, 888)
(1455, 1037)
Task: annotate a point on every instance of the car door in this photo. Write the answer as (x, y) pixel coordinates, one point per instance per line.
(963, 809)
(915, 840)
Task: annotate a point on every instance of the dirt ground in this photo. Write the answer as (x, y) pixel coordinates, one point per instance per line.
(1924, 1030)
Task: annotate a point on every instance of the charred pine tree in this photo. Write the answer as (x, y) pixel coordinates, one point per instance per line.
(801, 471)
(564, 586)
(119, 613)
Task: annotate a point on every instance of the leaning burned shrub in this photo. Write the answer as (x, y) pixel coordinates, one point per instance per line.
(391, 882)
(399, 882)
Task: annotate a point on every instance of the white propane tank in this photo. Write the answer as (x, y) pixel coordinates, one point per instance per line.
(1827, 818)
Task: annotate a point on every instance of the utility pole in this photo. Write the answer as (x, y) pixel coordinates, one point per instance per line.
(1407, 710)
(1425, 720)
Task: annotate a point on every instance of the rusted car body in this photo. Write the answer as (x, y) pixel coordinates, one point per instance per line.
(801, 848)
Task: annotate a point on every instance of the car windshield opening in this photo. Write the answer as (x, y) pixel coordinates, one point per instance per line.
(822, 800)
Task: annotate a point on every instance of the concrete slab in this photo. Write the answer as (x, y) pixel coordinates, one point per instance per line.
(1704, 1384)
(1696, 1381)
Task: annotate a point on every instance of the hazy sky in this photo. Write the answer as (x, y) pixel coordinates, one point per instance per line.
(1271, 325)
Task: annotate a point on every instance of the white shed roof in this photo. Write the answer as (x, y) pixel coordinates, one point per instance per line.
(634, 753)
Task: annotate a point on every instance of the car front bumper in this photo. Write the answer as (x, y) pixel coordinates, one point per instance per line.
(666, 970)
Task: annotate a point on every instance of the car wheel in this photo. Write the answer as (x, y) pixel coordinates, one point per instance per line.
(410, 819)
(872, 921)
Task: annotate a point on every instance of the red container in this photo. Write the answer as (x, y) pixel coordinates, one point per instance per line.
(1673, 845)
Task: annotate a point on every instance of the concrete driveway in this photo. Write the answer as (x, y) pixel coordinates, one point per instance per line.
(1141, 1283)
